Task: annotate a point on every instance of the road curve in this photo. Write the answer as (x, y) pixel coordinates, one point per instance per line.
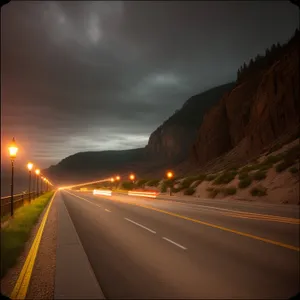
(140, 248)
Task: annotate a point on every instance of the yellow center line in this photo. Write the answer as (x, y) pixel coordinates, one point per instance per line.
(245, 216)
(248, 213)
(291, 247)
(22, 284)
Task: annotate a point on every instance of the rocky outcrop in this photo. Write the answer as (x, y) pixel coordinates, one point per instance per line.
(173, 139)
(255, 113)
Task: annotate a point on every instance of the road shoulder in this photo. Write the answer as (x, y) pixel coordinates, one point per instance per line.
(74, 277)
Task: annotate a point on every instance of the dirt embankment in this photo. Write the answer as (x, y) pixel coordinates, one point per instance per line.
(273, 178)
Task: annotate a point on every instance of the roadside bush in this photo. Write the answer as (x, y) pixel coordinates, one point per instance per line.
(249, 168)
(258, 191)
(272, 159)
(231, 190)
(189, 191)
(225, 177)
(153, 182)
(163, 188)
(293, 170)
(243, 175)
(210, 177)
(187, 182)
(176, 190)
(127, 185)
(245, 182)
(259, 175)
(286, 163)
(213, 192)
(201, 177)
(141, 182)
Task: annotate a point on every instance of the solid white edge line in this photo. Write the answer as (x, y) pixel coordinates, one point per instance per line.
(140, 225)
(172, 242)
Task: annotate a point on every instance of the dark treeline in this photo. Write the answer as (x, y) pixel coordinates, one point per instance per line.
(261, 62)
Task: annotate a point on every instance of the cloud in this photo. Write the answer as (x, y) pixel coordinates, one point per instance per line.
(97, 75)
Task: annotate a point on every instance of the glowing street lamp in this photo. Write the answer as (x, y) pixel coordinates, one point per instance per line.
(13, 150)
(132, 177)
(118, 178)
(112, 180)
(37, 173)
(170, 175)
(29, 167)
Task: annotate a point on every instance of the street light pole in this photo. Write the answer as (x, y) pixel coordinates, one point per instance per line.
(170, 176)
(12, 189)
(37, 172)
(13, 149)
(41, 182)
(29, 166)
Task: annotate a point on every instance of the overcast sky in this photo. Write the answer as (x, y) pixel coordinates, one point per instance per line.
(80, 76)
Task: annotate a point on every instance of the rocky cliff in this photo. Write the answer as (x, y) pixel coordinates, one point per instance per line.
(173, 139)
(257, 111)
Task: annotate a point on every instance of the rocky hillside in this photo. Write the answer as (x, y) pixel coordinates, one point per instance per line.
(262, 107)
(173, 139)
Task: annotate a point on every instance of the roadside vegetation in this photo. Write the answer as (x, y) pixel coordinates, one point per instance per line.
(258, 191)
(189, 191)
(17, 231)
(225, 177)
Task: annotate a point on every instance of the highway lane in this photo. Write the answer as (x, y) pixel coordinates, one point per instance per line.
(137, 252)
(280, 229)
(292, 211)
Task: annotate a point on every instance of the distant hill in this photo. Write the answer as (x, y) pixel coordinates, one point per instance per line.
(169, 144)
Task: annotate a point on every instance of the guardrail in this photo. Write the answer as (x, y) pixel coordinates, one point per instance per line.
(18, 201)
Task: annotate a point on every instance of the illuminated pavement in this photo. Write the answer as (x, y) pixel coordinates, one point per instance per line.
(152, 248)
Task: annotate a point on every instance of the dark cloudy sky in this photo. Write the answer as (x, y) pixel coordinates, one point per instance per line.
(80, 76)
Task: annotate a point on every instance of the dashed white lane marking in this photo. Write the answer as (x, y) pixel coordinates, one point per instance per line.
(140, 225)
(107, 210)
(85, 199)
(172, 242)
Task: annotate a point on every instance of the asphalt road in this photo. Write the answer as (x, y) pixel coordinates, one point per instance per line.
(154, 248)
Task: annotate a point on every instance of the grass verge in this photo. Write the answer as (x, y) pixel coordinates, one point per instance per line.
(17, 232)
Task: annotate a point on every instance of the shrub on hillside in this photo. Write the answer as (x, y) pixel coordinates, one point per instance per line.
(272, 159)
(141, 182)
(286, 163)
(259, 175)
(127, 185)
(187, 182)
(200, 177)
(210, 177)
(245, 182)
(153, 182)
(225, 177)
(163, 188)
(231, 190)
(258, 191)
(293, 170)
(289, 158)
(243, 175)
(189, 191)
(176, 189)
(249, 168)
(212, 192)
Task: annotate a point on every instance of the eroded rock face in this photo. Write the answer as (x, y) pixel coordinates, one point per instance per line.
(173, 139)
(254, 113)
